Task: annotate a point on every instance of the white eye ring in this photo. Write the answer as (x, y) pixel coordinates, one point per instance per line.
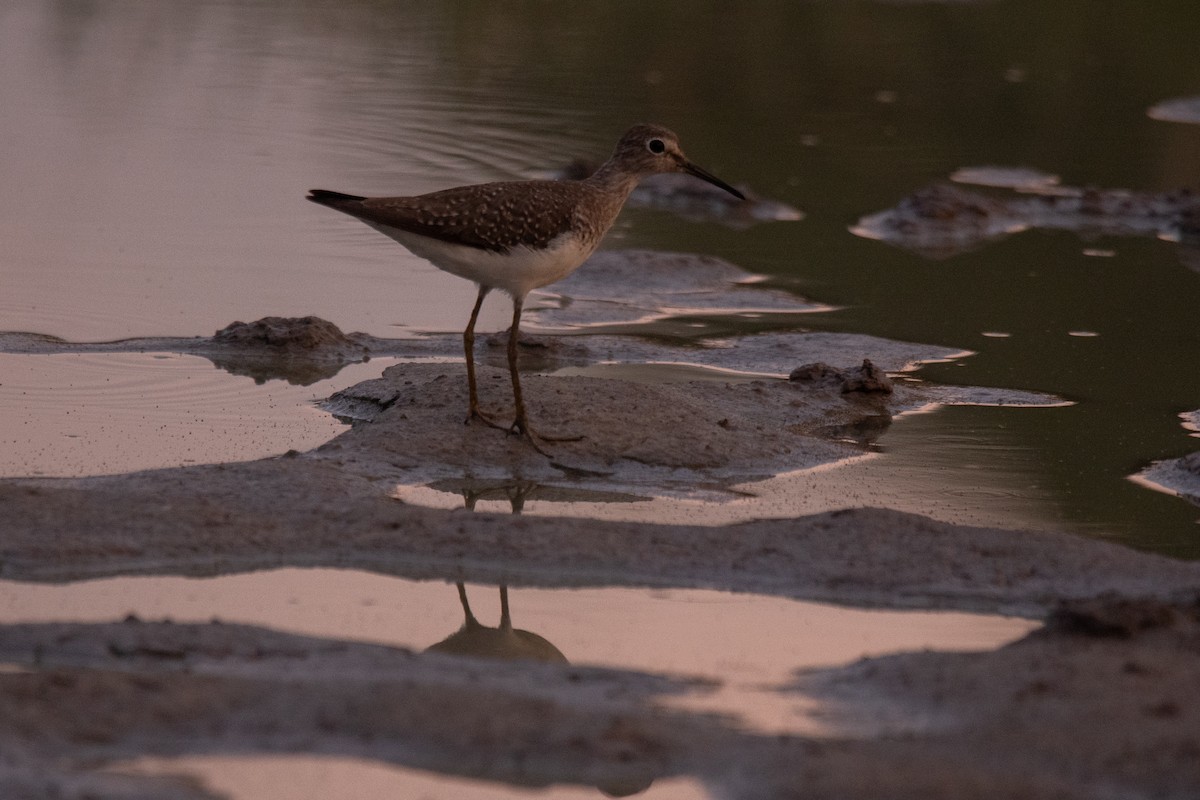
(656, 146)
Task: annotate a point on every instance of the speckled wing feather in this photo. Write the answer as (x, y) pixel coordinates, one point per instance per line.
(491, 216)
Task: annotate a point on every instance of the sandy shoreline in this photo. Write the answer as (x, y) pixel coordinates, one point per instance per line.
(1096, 703)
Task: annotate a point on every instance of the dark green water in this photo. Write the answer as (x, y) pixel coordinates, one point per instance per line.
(1062, 87)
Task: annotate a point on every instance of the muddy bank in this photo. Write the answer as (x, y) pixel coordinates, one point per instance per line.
(75, 697)
(943, 220)
(333, 505)
(1097, 704)
(691, 414)
(1179, 476)
(654, 435)
(105, 692)
(308, 512)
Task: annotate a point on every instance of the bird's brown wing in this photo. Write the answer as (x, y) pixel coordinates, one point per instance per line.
(490, 216)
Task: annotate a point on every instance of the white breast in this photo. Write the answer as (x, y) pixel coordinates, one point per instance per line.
(517, 272)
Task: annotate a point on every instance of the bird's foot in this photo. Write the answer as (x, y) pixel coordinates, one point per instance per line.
(521, 427)
(475, 414)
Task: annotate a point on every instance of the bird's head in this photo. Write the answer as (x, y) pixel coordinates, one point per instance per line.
(648, 149)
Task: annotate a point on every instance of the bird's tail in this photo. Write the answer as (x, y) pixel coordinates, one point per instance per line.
(332, 199)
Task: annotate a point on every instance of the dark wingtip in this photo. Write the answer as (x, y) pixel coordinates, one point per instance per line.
(327, 198)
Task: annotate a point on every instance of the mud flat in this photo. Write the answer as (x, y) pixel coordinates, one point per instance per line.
(1179, 476)
(1099, 702)
(944, 220)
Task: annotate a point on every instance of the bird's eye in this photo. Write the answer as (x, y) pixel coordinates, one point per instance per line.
(656, 146)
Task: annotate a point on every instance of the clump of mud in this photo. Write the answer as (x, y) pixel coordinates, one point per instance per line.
(942, 220)
(1180, 109)
(633, 287)
(867, 379)
(702, 430)
(1112, 616)
(287, 334)
(300, 350)
(1177, 475)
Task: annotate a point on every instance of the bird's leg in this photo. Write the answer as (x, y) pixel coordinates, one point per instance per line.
(470, 621)
(505, 617)
(473, 411)
(521, 423)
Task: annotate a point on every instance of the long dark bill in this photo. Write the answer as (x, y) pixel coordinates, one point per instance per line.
(703, 174)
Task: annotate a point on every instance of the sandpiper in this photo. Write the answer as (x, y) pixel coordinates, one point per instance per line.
(518, 236)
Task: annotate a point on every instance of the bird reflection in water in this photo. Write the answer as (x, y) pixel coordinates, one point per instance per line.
(504, 642)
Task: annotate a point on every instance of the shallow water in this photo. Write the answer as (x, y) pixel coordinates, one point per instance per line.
(931, 467)
(163, 151)
(321, 777)
(158, 158)
(89, 414)
(733, 639)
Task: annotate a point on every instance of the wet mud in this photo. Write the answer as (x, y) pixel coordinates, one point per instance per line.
(1179, 476)
(1097, 710)
(1179, 109)
(79, 698)
(944, 220)
(85, 695)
